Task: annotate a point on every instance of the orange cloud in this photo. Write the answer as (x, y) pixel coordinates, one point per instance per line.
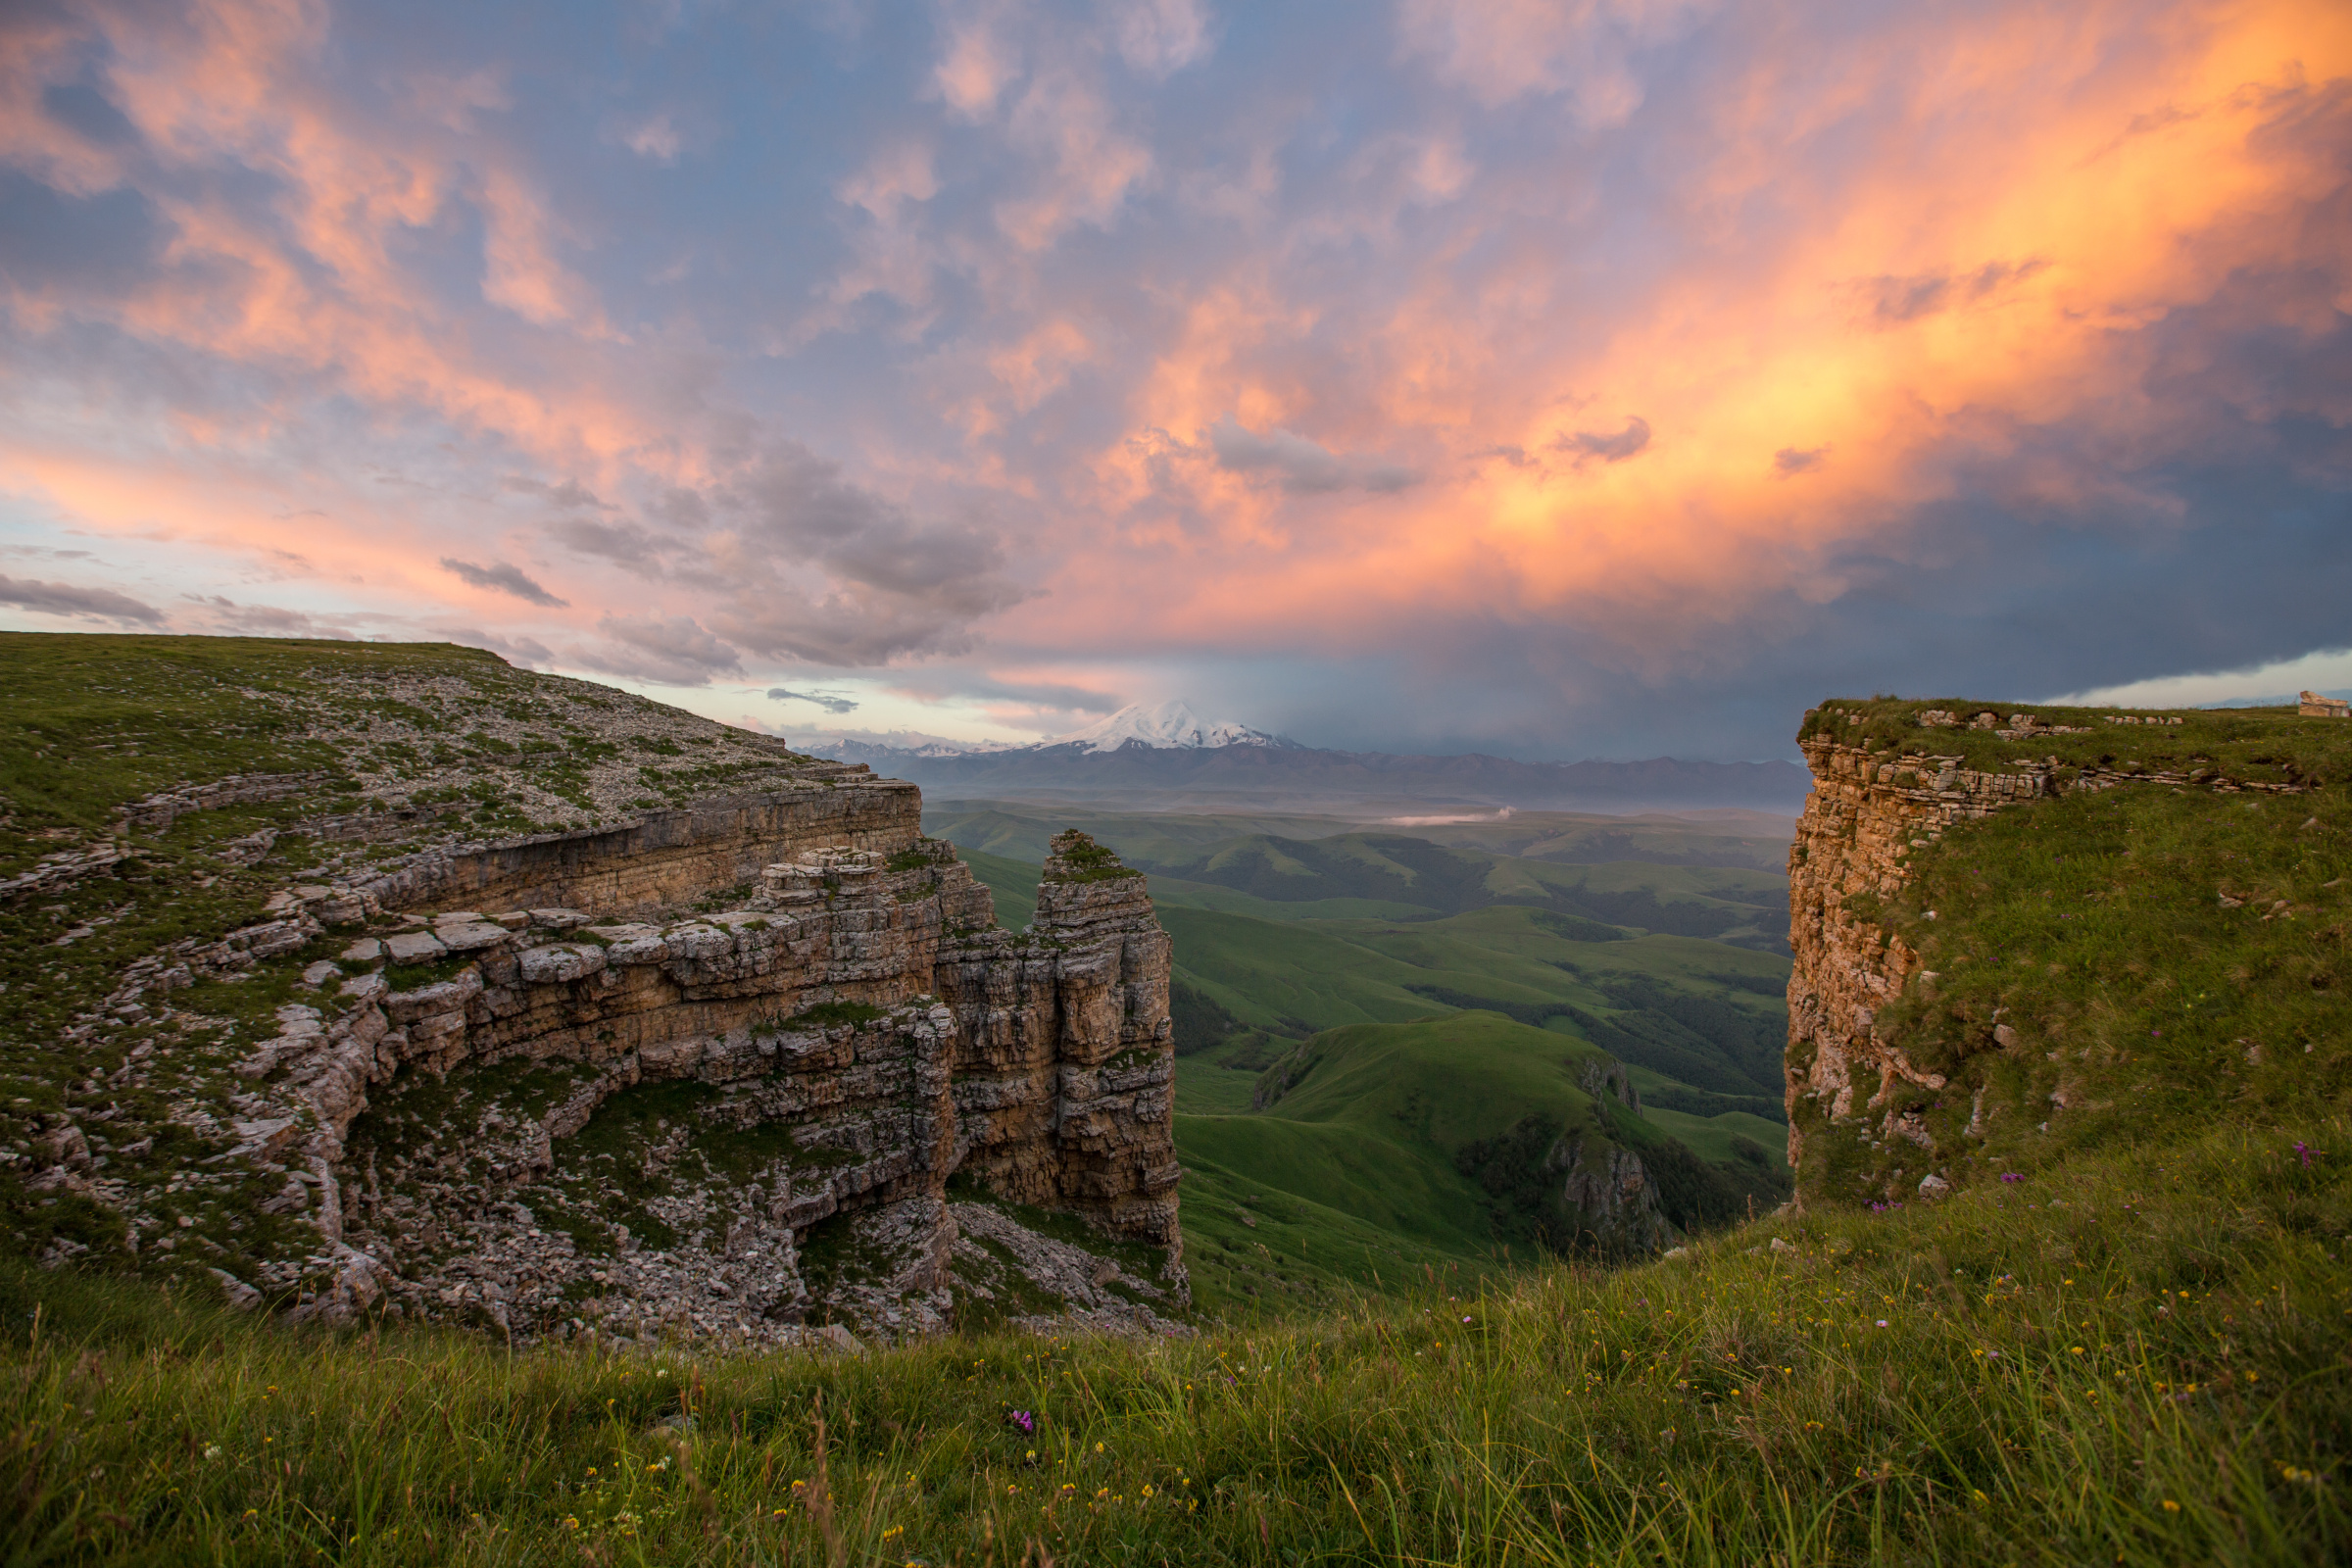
(2065, 181)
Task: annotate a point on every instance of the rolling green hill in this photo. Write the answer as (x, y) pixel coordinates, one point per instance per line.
(1720, 837)
(1671, 880)
(1495, 998)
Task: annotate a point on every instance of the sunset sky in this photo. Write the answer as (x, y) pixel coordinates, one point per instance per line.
(1571, 379)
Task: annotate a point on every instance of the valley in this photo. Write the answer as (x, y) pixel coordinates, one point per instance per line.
(1357, 1007)
(767, 1164)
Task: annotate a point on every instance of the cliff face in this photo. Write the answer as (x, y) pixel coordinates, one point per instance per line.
(1865, 817)
(547, 1117)
(2049, 1014)
(758, 1065)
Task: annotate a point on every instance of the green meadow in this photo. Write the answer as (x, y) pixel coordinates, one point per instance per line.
(2139, 1358)
(2125, 1337)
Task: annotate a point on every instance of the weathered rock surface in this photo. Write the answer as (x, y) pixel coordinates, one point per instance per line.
(569, 1107)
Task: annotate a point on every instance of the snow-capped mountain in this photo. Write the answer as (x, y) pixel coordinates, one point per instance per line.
(1168, 727)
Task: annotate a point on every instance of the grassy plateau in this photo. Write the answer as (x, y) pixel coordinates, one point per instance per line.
(2124, 1337)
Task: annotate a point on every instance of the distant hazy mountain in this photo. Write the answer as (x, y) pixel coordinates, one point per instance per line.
(1166, 757)
(1171, 725)
(856, 744)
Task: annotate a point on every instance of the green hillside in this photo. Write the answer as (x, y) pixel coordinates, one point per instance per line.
(1671, 879)
(1701, 1021)
(1011, 884)
(1705, 1013)
(1720, 837)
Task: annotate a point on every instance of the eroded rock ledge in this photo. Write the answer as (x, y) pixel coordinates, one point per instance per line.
(568, 1106)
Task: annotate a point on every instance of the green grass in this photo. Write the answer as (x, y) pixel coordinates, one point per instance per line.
(1207, 1087)
(2091, 928)
(1280, 980)
(1012, 884)
(1375, 1121)
(2139, 1358)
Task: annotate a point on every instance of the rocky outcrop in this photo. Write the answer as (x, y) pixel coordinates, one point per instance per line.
(571, 1108)
(1866, 815)
(1873, 806)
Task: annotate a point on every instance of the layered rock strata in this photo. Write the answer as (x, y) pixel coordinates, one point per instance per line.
(1866, 815)
(567, 1106)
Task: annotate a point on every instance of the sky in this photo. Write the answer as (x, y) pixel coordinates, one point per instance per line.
(1584, 378)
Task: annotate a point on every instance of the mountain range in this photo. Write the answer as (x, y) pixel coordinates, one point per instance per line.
(1165, 757)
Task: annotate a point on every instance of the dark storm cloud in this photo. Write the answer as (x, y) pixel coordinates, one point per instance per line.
(1299, 465)
(830, 702)
(1590, 443)
(568, 495)
(1798, 459)
(504, 579)
(1895, 300)
(64, 599)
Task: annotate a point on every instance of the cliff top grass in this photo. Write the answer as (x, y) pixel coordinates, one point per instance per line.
(2263, 745)
(2138, 1360)
(2109, 966)
(419, 743)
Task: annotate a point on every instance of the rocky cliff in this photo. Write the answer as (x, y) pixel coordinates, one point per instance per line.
(1899, 1076)
(756, 1064)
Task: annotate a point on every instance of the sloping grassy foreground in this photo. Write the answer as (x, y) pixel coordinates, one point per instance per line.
(2142, 1360)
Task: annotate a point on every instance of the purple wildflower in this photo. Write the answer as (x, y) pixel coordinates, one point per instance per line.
(2013, 1176)
(2304, 1150)
(1024, 1420)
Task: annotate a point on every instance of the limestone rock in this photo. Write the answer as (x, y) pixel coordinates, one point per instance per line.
(741, 1123)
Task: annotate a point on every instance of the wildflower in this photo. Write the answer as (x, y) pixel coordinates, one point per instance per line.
(2013, 1176)
(212, 1450)
(2170, 1506)
(1882, 1322)
(570, 1523)
(1031, 1454)
(1024, 1420)
(2304, 1150)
